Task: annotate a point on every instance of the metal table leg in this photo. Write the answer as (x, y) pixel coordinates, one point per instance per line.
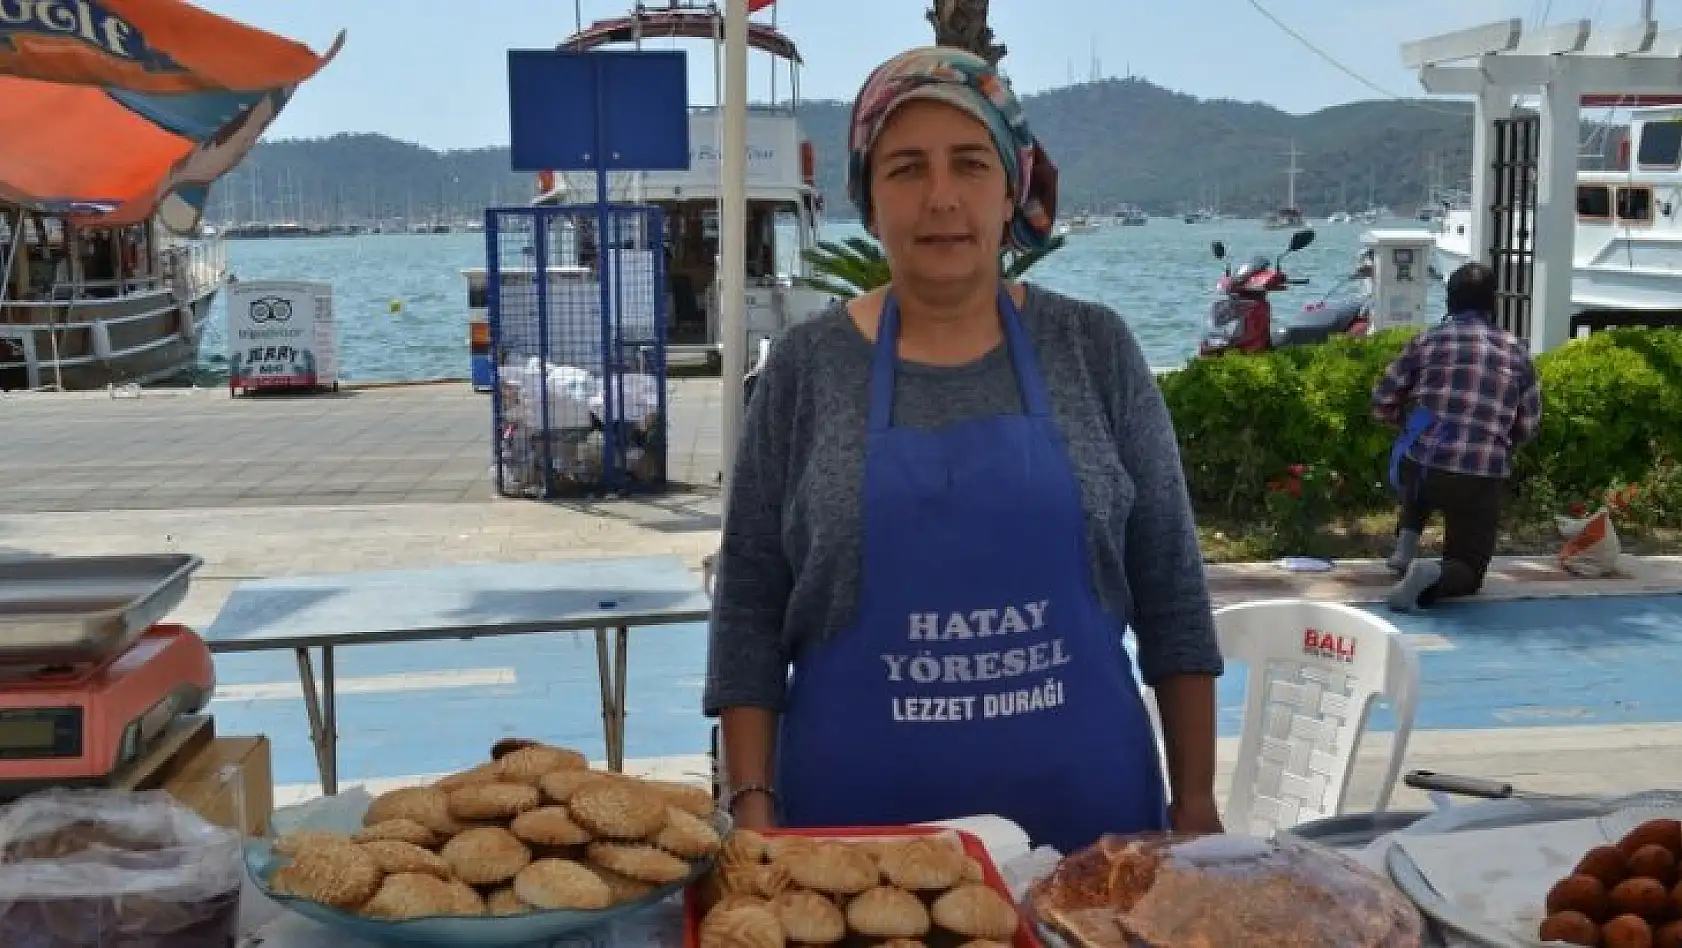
(321, 707)
(621, 637)
(613, 692)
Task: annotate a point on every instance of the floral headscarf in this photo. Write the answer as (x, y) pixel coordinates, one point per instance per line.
(964, 81)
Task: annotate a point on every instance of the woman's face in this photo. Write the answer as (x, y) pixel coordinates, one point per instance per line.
(939, 200)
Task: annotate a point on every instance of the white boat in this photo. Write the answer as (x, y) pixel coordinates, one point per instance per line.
(87, 308)
(1132, 216)
(1079, 224)
(1627, 253)
(783, 202)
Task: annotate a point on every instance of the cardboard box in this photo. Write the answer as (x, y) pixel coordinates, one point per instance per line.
(228, 782)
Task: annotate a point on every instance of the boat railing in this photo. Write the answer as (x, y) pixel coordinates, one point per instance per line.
(198, 268)
(783, 108)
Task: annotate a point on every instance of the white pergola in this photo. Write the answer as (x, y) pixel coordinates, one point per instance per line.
(1563, 63)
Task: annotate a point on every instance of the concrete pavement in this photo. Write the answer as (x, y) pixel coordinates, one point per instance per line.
(169, 449)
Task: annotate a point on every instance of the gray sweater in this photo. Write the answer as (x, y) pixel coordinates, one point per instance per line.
(789, 567)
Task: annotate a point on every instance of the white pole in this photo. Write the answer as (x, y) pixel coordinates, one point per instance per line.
(732, 233)
(1553, 233)
(1493, 102)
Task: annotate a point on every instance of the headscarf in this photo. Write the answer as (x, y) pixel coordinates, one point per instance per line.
(967, 82)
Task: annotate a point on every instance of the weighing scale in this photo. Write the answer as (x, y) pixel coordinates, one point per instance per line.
(90, 680)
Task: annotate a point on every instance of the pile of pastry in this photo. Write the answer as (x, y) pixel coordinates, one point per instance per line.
(533, 829)
(901, 892)
(1627, 895)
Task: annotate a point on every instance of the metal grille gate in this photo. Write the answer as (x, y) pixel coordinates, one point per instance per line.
(1511, 219)
(576, 300)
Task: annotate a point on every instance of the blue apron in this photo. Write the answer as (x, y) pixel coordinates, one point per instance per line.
(983, 673)
(1418, 422)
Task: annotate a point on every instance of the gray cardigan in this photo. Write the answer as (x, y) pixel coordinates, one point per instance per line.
(789, 567)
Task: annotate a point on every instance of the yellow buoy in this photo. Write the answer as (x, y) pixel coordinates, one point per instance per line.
(396, 306)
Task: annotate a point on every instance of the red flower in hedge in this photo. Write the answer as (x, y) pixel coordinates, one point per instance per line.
(1297, 470)
(1579, 509)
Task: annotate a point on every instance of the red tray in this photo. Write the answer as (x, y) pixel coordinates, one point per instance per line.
(971, 844)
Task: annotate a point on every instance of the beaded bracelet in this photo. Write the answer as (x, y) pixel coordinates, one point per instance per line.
(737, 793)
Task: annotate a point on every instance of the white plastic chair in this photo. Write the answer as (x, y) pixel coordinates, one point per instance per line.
(1315, 669)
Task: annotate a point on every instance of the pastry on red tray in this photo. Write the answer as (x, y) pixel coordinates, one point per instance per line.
(878, 889)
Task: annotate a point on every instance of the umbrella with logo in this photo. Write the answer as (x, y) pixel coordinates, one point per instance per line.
(113, 111)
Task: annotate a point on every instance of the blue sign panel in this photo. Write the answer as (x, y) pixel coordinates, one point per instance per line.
(606, 110)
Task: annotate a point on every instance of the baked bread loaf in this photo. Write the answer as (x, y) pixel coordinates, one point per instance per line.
(1167, 891)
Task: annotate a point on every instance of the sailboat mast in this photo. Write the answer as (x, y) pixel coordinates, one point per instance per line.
(1291, 177)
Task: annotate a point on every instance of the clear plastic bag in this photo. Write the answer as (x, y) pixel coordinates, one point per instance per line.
(1160, 890)
(116, 869)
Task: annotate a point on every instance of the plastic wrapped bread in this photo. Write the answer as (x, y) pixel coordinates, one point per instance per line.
(1166, 891)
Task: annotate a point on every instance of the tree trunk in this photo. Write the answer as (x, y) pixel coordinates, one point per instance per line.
(963, 23)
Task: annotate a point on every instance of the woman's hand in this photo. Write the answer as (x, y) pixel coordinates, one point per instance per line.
(754, 811)
(1195, 815)
(746, 737)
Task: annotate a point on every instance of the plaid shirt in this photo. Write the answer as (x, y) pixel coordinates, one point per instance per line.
(1479, 382)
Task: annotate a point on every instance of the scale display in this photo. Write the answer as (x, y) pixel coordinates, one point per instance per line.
(37, 733)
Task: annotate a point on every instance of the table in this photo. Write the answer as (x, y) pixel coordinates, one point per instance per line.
(325, 612)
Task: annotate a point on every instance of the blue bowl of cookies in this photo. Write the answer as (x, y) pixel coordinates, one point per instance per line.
(525, 849)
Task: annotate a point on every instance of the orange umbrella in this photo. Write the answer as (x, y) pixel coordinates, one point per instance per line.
(112, 111)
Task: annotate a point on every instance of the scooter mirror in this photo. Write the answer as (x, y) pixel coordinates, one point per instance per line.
(1301, 239)
(1218, 249)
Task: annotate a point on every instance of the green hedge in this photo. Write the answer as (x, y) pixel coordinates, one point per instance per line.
(1612, 408)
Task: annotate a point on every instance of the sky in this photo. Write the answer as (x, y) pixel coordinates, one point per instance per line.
(434, 71)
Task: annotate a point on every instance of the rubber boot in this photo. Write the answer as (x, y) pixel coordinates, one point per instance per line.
(1407, 547)
(1404, 596)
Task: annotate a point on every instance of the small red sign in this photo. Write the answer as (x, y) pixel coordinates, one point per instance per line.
(1337, 648)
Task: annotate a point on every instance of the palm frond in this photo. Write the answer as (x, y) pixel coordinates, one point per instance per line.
(1017, 264)
(856, 265)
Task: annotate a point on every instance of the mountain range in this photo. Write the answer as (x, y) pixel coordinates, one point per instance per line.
(1116, 141)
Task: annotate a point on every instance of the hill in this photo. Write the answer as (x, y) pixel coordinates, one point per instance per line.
(1116, 141)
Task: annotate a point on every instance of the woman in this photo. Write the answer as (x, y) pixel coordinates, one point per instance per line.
(951, 497)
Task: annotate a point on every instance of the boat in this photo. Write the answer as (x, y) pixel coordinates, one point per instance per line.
(87, 308)
(1627, 251)
(783, 201)
(1079, 224)
(1289, 217)
(1131, 215)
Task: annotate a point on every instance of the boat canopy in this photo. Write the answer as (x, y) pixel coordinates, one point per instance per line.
(113, 111)
(678, 22)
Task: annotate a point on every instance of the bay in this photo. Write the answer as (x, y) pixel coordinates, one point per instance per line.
(401, 300)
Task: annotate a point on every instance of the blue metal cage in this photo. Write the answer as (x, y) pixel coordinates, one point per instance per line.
(578, 344)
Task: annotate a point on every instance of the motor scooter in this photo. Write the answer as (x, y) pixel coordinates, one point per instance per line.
(1324, 318)
(1241, 320)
